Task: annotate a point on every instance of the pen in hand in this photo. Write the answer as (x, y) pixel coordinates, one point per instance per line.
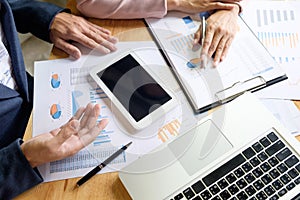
(203, 29)
(102, 165)
(193, 63)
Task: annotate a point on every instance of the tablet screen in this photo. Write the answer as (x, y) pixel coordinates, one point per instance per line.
(134, 87)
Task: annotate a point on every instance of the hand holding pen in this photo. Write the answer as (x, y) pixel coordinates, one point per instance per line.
(195, 62)
(220, 29)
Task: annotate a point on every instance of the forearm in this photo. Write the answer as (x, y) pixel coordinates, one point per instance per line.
(126, 9)
(34, 16)
(172, 5)
(197, 6)
(16, 174)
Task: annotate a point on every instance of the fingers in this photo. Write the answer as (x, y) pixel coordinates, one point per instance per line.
(221, 28)
(215, 42)
(77, 116)
(77, 134)
(197, 36)
(105, 47)
(99, 28)
(113, 40)
(69, 129)
(87, 114)
(96, 31)
(89, 127)
(94, 37)
(93, 132)
(92, 118)
(91, 40)
(102, 124)
(217, 45)
(209, 34)
(79, 113)
(68, 48)
(226, 48)
(55, 131)
(219, 51)
(67, 27)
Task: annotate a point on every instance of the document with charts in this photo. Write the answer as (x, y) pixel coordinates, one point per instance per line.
(247, 67)
(63, 85)
(275, 23)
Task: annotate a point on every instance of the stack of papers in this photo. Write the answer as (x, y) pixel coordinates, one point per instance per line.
(276, 25)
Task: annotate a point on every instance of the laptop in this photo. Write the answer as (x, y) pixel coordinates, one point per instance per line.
(240, 151)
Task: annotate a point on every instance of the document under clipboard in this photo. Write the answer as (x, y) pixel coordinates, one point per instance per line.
(247, 67)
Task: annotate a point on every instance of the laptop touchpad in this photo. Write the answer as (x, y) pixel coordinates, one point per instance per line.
(200, 146)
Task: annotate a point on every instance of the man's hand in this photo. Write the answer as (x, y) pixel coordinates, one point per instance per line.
(221, 28)
(196, 6)
(66, 28)
(80, 131)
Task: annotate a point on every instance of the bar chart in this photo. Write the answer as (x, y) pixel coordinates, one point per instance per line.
(276, 25)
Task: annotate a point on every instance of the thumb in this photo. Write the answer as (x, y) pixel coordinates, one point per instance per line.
(55, 131)
(67, 131)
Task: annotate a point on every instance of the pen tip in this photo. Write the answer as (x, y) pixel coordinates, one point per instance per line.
(127, 145)
(76, 186)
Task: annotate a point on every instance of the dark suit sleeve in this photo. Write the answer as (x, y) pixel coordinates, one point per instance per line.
(16, 174)
(34, 16)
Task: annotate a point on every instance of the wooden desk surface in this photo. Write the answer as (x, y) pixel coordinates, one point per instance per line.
(104, 186)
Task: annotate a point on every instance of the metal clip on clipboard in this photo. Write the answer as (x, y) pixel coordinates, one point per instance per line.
(239, 88)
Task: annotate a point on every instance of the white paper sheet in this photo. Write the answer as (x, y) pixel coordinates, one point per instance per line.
(286, 112)
(276, 24)
(61, 86)
(246, 59)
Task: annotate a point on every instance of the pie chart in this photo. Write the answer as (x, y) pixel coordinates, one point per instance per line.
(55, 81)
(55, 111)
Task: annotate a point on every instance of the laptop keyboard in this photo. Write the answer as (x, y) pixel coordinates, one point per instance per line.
(268, 169)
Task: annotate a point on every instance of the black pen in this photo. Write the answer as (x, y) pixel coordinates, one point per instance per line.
(102, 165)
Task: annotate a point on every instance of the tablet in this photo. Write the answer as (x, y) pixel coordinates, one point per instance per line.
(136, 92)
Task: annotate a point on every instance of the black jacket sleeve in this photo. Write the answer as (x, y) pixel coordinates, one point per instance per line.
(16, 174)
(34, 16)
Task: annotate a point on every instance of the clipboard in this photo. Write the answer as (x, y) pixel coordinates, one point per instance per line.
(248, 66)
